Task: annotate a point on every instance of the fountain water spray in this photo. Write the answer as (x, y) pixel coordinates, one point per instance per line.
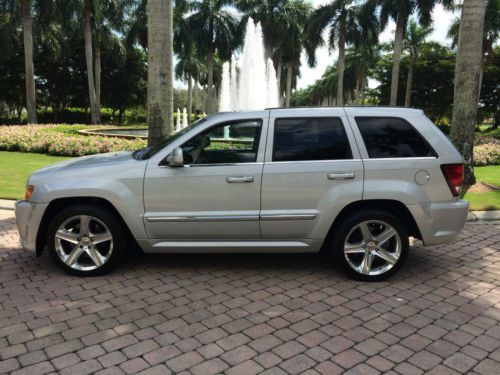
(178, 126)
(184, 118)
(256, 87)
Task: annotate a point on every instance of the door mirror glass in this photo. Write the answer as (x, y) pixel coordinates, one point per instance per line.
(175, 159)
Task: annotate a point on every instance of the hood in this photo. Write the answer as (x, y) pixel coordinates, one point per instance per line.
(88, 161)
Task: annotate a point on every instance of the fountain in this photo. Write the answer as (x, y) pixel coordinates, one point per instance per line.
(178, 126)
(256, 87)
(184, 118)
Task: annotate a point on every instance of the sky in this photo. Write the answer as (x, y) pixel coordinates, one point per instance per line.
(441, 23)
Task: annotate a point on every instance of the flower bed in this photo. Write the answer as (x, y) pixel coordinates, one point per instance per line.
(56, 140)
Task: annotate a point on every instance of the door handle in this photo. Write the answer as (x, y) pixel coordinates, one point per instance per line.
(239, 179)
(340, 176)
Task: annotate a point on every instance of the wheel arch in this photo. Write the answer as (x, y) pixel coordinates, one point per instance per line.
(392, 206)
(60, 204)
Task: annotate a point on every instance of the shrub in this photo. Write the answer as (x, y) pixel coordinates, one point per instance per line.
(487, 154)
(61, 140)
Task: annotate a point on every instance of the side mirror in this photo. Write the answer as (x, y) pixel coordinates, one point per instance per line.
(175, 159)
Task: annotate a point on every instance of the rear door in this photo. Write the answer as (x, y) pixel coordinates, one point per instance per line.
(312, 170)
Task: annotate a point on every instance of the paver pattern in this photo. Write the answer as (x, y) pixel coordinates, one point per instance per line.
(249, 314)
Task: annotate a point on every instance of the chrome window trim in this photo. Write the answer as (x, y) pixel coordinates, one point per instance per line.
(215, 165)
(314, 161)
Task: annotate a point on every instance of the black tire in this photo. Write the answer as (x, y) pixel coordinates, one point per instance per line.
(343, 229)
(114, 226)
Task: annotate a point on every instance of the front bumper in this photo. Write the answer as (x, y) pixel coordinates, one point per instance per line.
(440, 222)
(28, 218)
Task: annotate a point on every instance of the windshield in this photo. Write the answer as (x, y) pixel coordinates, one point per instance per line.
(147, 152)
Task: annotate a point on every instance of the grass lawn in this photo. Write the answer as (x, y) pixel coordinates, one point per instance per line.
(15, 167)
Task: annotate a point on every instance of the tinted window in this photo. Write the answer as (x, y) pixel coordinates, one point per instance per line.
(235, 142)
(392, 138)
(310, 139)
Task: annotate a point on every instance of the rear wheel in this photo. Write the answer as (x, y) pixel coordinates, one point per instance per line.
(86, 240)
(371, 245)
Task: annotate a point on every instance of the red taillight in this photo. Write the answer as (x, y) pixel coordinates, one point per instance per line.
(454, 175)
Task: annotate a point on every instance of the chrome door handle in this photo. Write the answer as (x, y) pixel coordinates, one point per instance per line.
(340, 176)
(239, 179)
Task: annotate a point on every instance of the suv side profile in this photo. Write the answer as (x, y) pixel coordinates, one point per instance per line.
(356, 182)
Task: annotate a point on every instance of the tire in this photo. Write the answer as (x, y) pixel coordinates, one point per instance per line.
(78, 251)
(361, 252)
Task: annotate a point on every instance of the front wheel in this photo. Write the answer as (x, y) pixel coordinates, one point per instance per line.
(371, 245)
(86, 240)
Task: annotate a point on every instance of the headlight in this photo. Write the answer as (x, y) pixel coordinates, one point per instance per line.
(29, 191)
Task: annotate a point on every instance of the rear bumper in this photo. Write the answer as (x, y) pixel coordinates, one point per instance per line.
(440, 222)
(28, 218)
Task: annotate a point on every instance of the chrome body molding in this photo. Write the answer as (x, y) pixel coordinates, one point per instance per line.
(280, 217)
(264, 217)
(180, 219)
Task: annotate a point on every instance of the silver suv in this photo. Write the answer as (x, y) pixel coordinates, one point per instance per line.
(356, 182)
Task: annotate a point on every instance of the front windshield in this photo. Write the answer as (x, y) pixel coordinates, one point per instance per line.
(147, 152)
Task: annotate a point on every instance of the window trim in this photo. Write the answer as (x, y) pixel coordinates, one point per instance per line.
(342, 124)
(224, 123)
(435, 154)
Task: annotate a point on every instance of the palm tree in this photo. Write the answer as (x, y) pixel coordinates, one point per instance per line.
(292, 21)
(359, 59)
(400, 11)
(89, 58)
(345, 22)
(491, 34)
(467, 73)
(28, 62)
(160, 60)
(415, 36)
(188, 69)
(214, 29)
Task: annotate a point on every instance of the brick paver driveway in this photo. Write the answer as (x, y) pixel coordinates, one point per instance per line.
(245, 314)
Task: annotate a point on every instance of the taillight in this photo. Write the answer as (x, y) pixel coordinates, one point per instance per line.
(454, 175)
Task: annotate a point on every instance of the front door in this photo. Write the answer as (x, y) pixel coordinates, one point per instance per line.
(217, 193)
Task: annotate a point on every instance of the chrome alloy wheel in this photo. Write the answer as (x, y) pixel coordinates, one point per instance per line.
(372, 247)
(83, 243)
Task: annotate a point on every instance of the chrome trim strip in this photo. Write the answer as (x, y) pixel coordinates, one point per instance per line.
(223, 164)
(279, 217)
(178, 219)
(203, 244)
(312, 161)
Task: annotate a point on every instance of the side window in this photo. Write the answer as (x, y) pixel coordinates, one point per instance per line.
(387, 137)
(297, 139)
(234, 142)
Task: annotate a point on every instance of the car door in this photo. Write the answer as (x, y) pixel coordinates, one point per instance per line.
(216, 194)
(312, 170)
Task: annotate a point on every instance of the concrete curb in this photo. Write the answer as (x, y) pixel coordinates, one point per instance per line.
(7, 204)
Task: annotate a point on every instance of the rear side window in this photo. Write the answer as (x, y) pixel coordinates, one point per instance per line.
(388, 137)
(298, 139)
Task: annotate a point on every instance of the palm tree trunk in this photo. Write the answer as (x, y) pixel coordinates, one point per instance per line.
(289, 68)
(190, 97)
(398, 46)
(409, 79)
(28, 62)
(340, 66)
(87, 35)
(467, 73)
(160, 91)
(278, 78)
(363, 85)
(210, 80)
(97, 70)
